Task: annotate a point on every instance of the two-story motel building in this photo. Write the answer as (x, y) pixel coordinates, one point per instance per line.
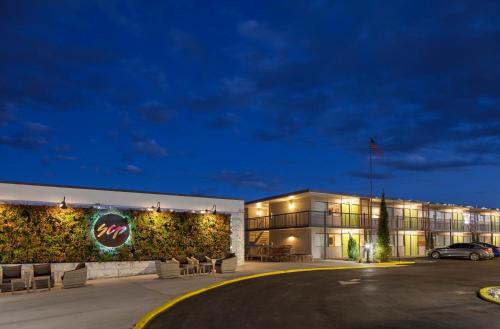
(320, 223)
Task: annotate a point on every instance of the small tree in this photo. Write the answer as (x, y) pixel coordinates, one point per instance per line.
(383, 250)
(352, 249)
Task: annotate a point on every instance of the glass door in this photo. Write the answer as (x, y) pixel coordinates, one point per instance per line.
(345, 243)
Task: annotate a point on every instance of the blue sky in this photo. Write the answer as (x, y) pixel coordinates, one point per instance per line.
(253, 98)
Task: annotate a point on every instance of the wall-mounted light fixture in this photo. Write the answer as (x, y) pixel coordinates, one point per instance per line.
(158, 208)
(97, 206)
(63, 204)
(291, 204)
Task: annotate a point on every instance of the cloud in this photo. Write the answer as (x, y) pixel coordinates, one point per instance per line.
(189, 44)
(6, 114)
(261, 32)
(27, 136)
(366, 175)
(421, 163)
(225, 121)
(132, 169)
(66, 157)
(155, 112)
(247, 180)
(24, 141)
(148, 147)
(238, 86)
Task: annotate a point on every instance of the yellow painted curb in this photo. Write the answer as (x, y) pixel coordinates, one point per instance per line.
(483, 293)
(160, 309)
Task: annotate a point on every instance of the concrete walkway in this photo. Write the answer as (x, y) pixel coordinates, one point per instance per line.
(115, 303)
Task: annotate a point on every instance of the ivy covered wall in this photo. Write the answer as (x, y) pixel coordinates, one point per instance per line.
(31, 234)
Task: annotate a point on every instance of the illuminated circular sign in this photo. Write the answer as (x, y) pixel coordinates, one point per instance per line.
(111, 230)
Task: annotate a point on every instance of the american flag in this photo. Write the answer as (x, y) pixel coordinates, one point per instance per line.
(374, 147)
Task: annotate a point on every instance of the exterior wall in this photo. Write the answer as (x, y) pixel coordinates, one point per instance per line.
(41, 194)
(298, 238)
(238, 236)
(283, 207)
(335, 244)
(414, 225)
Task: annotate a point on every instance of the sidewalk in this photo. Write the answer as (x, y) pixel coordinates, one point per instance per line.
(115, 303)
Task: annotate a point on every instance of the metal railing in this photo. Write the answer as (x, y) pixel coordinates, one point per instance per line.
(362, 221)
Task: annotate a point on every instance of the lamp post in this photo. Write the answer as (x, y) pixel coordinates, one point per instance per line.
(368, 248)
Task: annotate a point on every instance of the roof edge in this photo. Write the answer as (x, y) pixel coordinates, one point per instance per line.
(118, 190)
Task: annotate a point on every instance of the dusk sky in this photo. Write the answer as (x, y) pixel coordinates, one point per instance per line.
(253, 99)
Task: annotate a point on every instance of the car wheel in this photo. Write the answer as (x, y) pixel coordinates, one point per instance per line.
(474, 256)
(435, 255)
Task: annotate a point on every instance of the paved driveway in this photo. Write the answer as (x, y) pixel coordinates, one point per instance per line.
(433, 294)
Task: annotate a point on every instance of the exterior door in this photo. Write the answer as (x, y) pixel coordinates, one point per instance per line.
(355, 215)
(496, 240)
(407, 216)
(345, 243)
(411, 245)
(345, 214)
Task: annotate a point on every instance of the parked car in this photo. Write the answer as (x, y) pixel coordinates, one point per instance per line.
(496, 250)
(472, 251)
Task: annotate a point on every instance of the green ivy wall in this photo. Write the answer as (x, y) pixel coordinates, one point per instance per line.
(31, 234)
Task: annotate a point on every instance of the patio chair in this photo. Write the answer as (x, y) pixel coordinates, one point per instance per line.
(12, 275)
(42, 276)
(75, 278)
(168, 269)
(183, 264)
(226, 264)
(205, 263)
(193, 265)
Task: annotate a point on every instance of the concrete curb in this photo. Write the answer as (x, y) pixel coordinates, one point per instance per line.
(483, 294)
(143, 322)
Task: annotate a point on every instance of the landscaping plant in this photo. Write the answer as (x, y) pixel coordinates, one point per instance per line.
(352, 249)
(383, 250)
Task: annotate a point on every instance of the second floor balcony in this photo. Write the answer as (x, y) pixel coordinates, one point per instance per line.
(362, 221)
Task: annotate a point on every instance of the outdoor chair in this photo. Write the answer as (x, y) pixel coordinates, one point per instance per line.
(168, 269)
(42, 276)
(193, 265)
(11, 275)
(227, 264)
(184, 264)
(205, 263)
(75, 278)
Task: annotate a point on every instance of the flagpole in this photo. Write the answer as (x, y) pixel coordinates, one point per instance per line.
(371, 191)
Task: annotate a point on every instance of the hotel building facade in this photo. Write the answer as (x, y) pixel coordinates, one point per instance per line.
(320, 224)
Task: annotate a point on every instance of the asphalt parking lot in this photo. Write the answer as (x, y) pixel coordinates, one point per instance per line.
(430, 294)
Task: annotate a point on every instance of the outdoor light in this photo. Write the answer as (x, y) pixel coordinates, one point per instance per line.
(291, 205)
(158, 208)
(214, 209)
(97, 206)
(63, 204)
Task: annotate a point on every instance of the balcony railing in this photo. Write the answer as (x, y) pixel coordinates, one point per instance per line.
(362, 221)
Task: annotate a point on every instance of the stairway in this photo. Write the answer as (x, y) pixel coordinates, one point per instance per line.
(259, 238)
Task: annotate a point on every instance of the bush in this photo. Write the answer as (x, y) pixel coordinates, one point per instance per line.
(352, 249)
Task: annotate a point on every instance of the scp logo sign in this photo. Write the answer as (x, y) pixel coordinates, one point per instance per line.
(111, 230)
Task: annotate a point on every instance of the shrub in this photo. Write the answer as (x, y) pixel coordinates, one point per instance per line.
(352, 249)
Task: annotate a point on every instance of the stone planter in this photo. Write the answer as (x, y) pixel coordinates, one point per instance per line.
(97, 270)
